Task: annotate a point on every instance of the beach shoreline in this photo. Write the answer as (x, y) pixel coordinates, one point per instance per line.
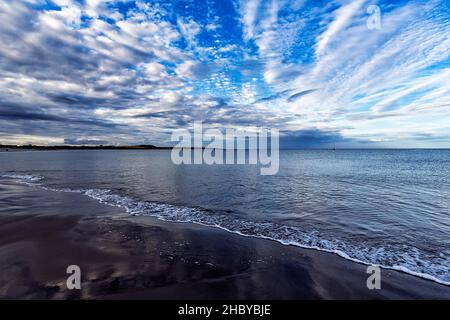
(128, 257)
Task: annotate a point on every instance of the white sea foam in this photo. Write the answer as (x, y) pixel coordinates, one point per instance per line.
(407, 259)
(24, 178)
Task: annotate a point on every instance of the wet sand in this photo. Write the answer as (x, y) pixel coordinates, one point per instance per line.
(124, 257)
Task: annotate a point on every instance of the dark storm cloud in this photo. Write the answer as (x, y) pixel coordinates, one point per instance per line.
(291, 97)
(431, 137)
(84, 142)
(47, 57)
(10, 111)
(69, 74)
(162, 114)
(298, 95)
(17, 115)
(203, 70)
(58, 75)
(273, 97)
(310, 138)
(78, 100)
(220, 113)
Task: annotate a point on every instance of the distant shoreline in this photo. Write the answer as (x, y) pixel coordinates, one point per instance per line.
(6, 148)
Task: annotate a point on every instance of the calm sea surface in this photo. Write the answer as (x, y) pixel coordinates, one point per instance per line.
(387, 207)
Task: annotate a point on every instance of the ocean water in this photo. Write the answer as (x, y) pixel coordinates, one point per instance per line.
(385, 207)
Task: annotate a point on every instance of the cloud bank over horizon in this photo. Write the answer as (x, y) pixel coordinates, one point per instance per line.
(131, 72)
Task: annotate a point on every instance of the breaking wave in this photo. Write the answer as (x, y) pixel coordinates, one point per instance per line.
(406, 259)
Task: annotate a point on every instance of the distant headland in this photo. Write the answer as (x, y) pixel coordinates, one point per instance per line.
(4, 147)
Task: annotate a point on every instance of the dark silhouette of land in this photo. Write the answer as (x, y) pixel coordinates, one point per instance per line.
(83, 147)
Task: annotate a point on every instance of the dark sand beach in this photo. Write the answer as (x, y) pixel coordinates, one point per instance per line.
(124, 257)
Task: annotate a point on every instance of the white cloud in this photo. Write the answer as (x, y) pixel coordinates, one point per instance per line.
(228, 48)
(249, 13)
(212, 26)
(189, 29)
(342, 17)
(188, 69)
(154, 71)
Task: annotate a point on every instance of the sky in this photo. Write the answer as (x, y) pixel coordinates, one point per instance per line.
(324, 73)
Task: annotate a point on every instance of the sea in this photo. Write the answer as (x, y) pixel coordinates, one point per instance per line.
(389, 208)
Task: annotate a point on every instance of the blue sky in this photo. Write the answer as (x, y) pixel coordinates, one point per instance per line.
(126, 72)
